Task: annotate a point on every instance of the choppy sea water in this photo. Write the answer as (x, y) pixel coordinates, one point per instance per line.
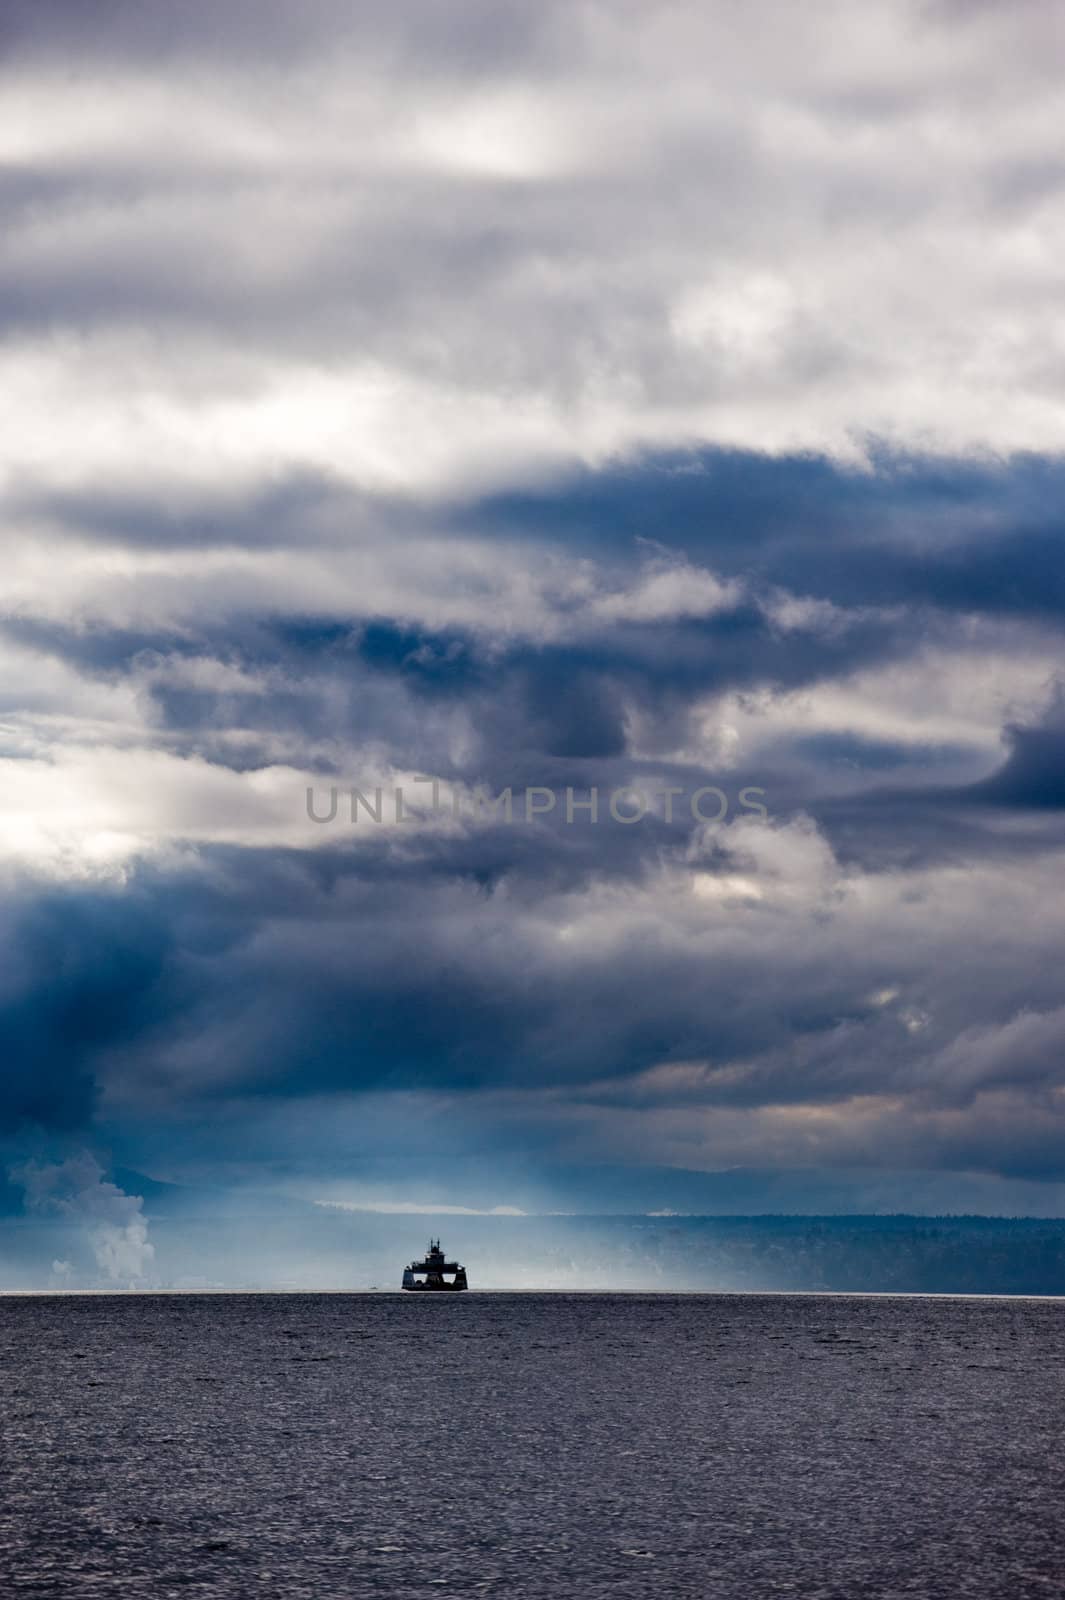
(531, 1445)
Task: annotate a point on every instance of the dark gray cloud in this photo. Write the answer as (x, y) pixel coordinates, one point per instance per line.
(1033, 775)
(153, 32)
(84, 977)
(433, 963)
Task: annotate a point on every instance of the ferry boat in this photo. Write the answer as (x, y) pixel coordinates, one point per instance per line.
(435, 1270)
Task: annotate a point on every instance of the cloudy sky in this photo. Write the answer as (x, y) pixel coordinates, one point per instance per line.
(576, 397)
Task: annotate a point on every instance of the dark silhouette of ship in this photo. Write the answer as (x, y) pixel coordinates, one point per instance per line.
(435, 1270)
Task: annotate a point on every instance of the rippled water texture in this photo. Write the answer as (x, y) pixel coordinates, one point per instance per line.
(531, 1445)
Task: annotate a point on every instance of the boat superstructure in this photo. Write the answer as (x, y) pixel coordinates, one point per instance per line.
(435, 1270)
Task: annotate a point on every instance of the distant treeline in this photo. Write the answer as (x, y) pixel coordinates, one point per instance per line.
(932, 1255)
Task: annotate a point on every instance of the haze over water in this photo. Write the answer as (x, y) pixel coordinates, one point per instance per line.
(531, 1445)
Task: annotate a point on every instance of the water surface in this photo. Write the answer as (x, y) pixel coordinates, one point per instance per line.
(531, 1445)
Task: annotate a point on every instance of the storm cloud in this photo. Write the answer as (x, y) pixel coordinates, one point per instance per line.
(661, 399)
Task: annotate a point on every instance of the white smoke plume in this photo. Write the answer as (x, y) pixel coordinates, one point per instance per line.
(116, 1226)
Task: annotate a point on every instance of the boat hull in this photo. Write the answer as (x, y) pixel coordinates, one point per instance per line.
(434, 1282)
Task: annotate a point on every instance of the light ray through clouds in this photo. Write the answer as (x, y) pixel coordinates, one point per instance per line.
(556, 396)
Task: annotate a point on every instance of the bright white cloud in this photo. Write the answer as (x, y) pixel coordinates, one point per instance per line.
(770, 227)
